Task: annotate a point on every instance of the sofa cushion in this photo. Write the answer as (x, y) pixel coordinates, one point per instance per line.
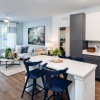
(30, 49)
(18, 49)
(38, 49)
(24, 55)
(39, 53)
(24, 49)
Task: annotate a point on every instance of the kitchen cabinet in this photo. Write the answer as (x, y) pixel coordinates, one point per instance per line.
(93, 60)
(93, 26)
(76, 48)
(77, 34)
(77, 26)
(98, 72)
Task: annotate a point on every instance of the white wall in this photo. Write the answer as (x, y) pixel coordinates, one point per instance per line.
(60, 21)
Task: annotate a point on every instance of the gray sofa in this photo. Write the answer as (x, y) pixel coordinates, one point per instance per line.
(32, 51)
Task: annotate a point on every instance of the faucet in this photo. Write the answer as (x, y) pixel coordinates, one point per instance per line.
(98, 48)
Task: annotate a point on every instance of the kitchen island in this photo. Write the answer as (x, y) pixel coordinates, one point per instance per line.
(82, 75)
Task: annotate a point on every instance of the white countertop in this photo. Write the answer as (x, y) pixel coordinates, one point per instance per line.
(78, 69)
(91, 53)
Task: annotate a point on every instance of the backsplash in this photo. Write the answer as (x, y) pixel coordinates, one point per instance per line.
(94, 44)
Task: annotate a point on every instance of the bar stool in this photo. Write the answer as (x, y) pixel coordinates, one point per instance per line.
(76, 58)
(33, 74)
(54, 83)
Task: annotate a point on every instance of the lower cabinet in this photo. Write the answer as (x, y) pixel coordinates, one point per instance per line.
(93, 60)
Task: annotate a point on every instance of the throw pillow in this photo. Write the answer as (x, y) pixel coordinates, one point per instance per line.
(24, 49)
(18, 49)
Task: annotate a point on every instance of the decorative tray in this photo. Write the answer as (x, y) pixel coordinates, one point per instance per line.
(56, 61)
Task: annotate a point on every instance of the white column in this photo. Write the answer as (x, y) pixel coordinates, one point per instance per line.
(85, 87)
(71, 88)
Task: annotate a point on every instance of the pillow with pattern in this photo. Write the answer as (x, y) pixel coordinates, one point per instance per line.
(18, 49)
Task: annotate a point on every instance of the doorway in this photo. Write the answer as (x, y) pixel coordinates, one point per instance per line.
(64, 39)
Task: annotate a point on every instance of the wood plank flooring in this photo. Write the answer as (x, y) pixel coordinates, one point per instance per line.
(11, 88)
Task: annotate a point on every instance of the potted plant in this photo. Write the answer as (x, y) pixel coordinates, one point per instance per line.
(56, 52)
(7, 52)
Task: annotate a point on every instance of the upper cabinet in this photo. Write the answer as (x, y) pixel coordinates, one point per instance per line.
(77, 29)
(93, 26)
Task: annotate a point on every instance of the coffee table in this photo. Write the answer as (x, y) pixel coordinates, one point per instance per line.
(9, 62)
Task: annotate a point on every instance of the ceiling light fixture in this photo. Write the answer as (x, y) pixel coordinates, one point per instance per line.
(6, 20)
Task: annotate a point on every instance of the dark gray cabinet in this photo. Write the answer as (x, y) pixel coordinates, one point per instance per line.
(75, 48)
(98, 72)
(77, 34)
(93, 60)
(77, 26)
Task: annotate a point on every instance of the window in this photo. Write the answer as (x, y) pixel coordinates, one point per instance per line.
(7, 35)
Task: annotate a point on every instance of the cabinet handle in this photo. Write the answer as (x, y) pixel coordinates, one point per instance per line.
(81, 37)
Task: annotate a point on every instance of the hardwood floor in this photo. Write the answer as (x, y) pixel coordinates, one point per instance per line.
(11, 88)
(97, 95)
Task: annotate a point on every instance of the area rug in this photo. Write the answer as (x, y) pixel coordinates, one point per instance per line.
(12, 69)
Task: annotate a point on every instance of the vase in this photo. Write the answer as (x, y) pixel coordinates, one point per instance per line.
(55, 57)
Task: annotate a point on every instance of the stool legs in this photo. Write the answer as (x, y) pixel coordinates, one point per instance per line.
(58, 96)
(67, 93)
(42, 80)
(34, 82)
(54, 95)
(46, 93)
(25, 87)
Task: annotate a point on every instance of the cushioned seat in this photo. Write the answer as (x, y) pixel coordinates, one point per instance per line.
(57, 84)
(36, 73)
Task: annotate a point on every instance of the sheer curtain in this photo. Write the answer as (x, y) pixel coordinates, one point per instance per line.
(8, 35)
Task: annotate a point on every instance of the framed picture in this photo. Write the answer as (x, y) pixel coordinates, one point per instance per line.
(36, 35)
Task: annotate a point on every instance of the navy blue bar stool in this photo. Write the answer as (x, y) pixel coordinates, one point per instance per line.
(76, 58)
(62, 56)
(54, 83)
(33, 74)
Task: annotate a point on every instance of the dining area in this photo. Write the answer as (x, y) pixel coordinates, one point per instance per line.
(74, 77)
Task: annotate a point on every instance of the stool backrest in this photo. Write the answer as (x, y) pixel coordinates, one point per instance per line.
(27, 64)
(76, 58)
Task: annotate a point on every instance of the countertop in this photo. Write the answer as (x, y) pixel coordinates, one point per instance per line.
(78, 69)
(91, 53)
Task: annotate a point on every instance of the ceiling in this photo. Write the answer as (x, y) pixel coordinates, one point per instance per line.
(27, 10)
